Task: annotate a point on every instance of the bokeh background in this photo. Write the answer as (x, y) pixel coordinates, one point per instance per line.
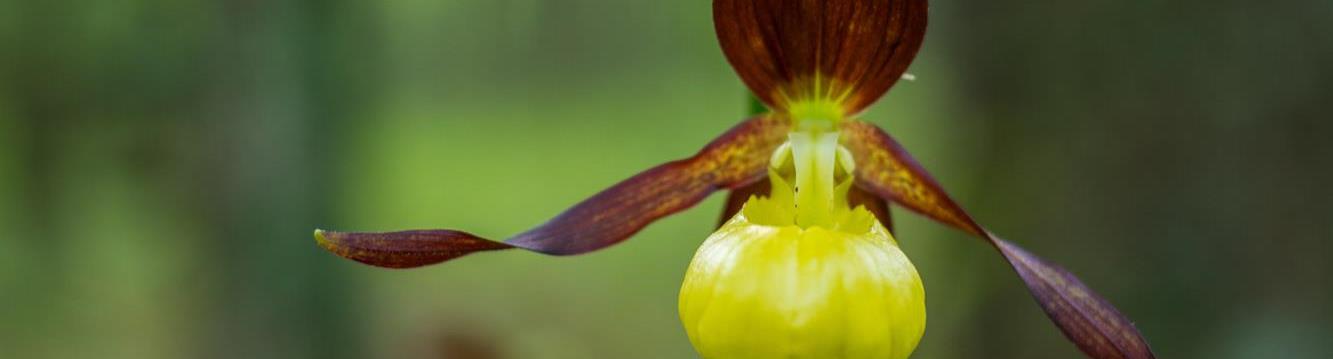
(162, 165)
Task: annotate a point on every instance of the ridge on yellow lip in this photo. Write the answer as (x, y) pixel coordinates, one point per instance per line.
(779, 210)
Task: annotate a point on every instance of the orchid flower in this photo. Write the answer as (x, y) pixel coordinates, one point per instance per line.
(804, 265)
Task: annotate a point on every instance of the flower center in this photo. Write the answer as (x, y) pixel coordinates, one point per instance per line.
(818, 115)
(813, 155)
(810, 176)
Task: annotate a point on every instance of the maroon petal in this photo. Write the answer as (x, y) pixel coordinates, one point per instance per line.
(883, 167)
(737, 158)
(1086, 319)
(406, 249)
(786, 49)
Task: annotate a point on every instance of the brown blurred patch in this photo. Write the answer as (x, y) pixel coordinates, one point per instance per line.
(462, 345)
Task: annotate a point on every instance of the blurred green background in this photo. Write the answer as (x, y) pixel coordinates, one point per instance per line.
(162, 165)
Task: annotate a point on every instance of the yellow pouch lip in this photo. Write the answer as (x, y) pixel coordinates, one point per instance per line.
(775, 276)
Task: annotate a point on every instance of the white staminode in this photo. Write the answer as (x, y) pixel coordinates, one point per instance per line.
(814, 155)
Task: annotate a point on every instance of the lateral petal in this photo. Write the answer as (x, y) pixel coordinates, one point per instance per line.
(884, 168)
(736, 158)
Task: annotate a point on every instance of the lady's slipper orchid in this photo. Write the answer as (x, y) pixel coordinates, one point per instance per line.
(804, 265)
